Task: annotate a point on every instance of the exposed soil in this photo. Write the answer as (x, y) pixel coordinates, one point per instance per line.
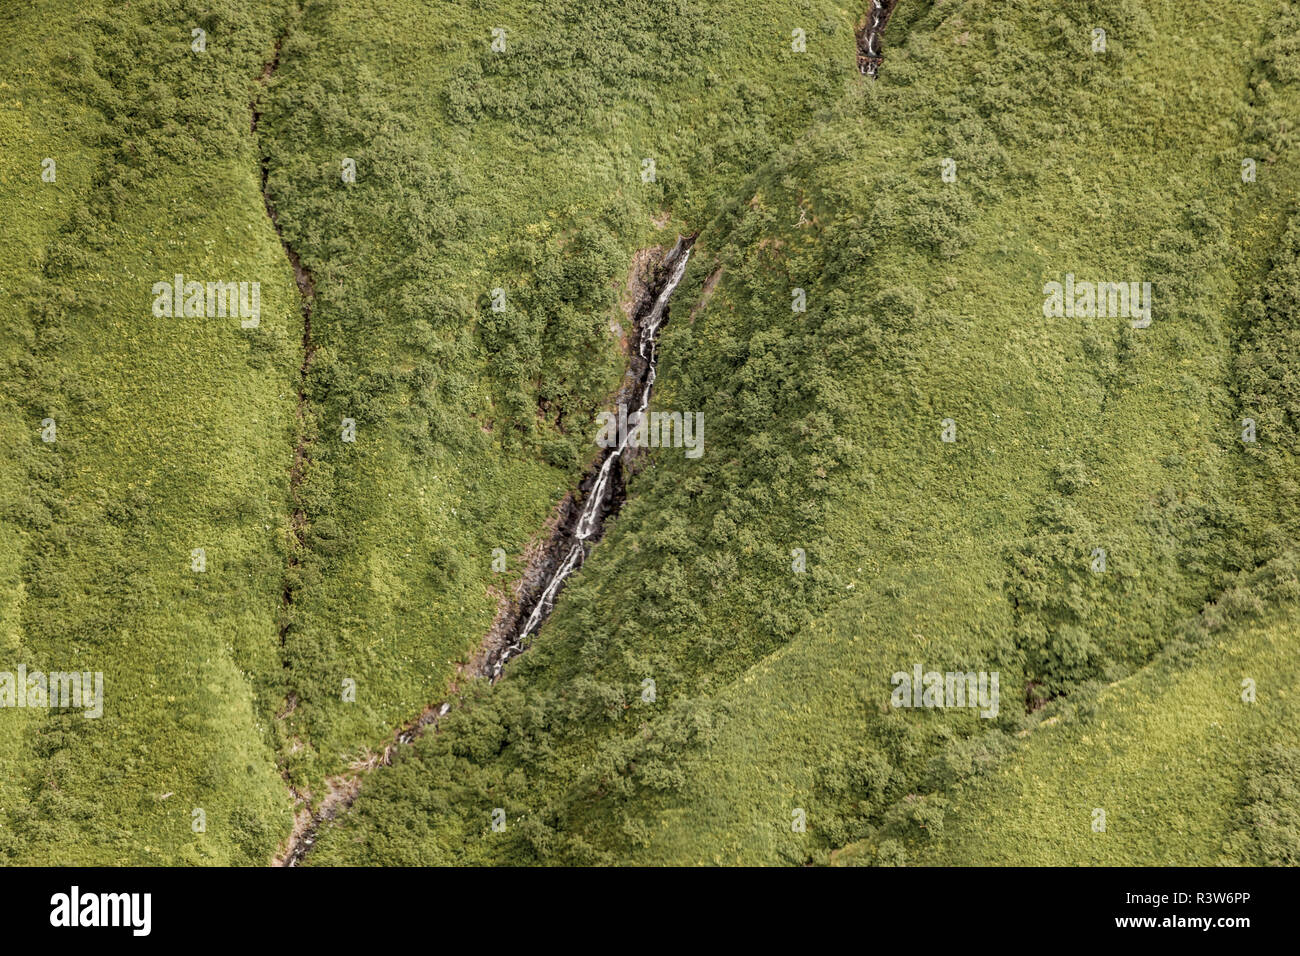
(635, 293)
(601, 493)
(870, 31)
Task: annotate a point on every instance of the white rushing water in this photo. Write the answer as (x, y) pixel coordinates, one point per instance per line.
(589, 521)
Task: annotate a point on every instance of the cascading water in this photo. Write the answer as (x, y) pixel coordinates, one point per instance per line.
(591, 518)
(571, 541)
(870, 54)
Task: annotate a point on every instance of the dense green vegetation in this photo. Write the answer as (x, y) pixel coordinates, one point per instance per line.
(477, 171)
(1183, 768)
(468, 315)
(924, 304)
(171, 435)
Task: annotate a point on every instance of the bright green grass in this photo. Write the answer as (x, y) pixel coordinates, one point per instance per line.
(782, 681)
(1164, 754)
(173, 434)
(32, 210)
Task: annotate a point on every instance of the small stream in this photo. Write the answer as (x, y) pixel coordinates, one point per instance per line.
(870, 52)
(575, 537)
(580, 527)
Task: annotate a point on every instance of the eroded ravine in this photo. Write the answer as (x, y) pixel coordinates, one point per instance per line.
(600, 498)
(581, 518)
(871, 53)
(582, 521)
(302, 412)
(307, 293)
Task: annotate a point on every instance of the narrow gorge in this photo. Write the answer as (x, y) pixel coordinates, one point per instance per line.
(583, 518)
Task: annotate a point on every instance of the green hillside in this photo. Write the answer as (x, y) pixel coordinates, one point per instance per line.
(169, 436)
(924, 304)
(280, 540)
(1177, 761)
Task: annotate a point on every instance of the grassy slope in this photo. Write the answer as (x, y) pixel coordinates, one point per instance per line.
(924, 303)
(478, 171)
(822, 427)
(32, 212)
(1164, 754)
(173, 434)
(1028, 402)
(1168, 752)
